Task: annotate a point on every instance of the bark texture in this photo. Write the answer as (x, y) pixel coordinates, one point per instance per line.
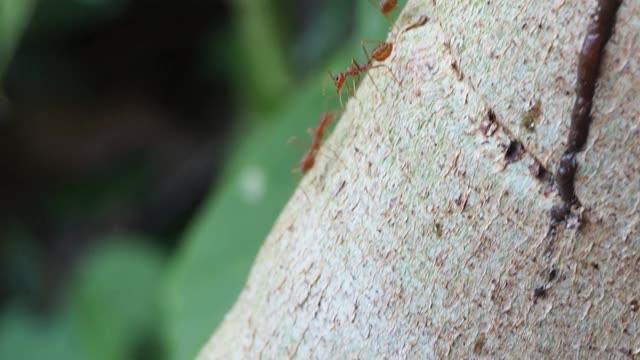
(424, 233)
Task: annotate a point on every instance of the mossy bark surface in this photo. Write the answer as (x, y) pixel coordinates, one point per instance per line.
(421, 233)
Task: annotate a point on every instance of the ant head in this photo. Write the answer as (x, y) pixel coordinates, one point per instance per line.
(338, 80)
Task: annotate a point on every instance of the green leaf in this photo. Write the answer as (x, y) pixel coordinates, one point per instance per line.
(20, 260)
(264, 75)
(25, 337)
(371, 24)
(54, 18)
(113, 309)
(114, 301)
(14, 15)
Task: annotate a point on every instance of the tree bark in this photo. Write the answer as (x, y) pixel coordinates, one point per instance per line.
(423, 229)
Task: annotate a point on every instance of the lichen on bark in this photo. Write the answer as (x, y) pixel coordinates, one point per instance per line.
(415, 237)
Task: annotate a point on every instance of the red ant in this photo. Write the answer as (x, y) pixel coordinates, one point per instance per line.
(385, 7)
(309, 158)
(380, 53)
(355, 70)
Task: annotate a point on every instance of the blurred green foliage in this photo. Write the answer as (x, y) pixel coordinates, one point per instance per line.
(14, 15)
(263, 74)
(126, 299)
(26, 336)
(61, 16)
(111, 307)
(113, 304)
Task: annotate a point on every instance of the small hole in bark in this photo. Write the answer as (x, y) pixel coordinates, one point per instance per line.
(539, 292)
(538, 171)
(488, 125)
(514, 152)
(491, 115)
(437, 229)
(559, 213)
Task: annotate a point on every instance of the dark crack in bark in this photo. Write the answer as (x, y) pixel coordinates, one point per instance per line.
(598, 34)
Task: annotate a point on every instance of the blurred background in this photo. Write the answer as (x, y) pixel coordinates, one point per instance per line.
(144, 158)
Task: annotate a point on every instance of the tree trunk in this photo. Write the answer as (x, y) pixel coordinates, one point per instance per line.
(423, 229)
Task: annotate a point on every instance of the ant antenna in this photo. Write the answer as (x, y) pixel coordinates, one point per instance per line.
(324, 83)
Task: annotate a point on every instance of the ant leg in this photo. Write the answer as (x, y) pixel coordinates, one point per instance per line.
(333, 156)
(376, 86)
(363, 43)
(325, 102)
(324, 84)
(390, 72)
(305, 194)
(295, 172)
(354, 89)
(364, 48)
(350, 91)
(294, 140)
(353, 81)
(389, 20)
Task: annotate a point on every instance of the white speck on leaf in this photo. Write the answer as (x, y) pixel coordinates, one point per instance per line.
(252, 184)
